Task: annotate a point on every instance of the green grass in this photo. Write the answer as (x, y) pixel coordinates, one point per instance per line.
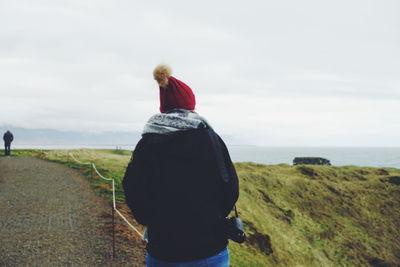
(299, 215)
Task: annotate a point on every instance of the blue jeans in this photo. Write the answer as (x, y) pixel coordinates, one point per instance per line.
(219, 260)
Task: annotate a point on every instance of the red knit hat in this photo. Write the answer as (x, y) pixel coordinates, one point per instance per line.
(176, 95)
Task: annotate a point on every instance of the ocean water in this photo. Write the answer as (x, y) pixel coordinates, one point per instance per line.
(338, 156)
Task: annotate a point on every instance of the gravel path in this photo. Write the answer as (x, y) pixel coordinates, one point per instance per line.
(49, 216)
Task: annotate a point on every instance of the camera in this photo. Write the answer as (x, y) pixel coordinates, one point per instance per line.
(234, 229)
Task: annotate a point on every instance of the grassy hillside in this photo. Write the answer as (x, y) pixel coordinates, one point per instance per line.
(300, 215)
(320, 215)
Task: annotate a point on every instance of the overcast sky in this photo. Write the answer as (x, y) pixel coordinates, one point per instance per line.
(271, 73)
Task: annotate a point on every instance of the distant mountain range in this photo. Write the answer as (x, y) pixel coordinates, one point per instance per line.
(49, 137)
(23, 136)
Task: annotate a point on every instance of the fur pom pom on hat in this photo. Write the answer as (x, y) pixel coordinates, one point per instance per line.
(173, 92)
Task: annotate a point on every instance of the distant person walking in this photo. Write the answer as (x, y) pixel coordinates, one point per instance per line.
(181, 182)
(8, 138)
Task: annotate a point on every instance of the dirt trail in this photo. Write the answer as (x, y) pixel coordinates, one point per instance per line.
(49, 216)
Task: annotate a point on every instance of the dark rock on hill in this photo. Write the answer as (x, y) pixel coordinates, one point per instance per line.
(311, 160)
(394, 180)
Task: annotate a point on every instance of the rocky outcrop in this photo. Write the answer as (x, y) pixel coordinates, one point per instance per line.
(311, 161)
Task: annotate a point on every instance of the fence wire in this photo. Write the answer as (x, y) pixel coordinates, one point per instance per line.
(113, 193)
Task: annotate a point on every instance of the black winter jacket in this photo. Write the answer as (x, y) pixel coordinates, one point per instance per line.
(174, 186)
(8, 137)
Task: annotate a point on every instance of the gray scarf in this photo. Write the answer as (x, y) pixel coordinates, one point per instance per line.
(174, 121)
